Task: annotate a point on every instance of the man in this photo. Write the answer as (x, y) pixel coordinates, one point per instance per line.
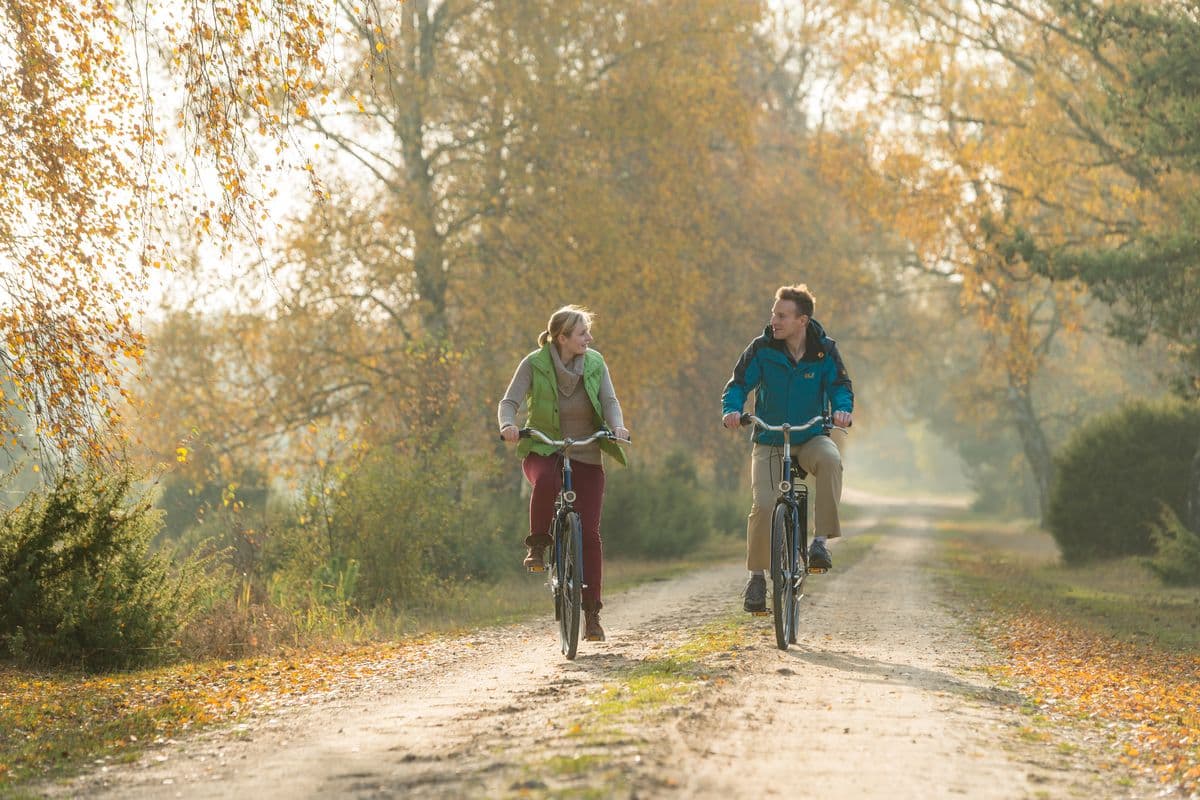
(797, 373)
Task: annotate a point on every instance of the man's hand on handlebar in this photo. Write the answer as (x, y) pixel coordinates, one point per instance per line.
(840, 419)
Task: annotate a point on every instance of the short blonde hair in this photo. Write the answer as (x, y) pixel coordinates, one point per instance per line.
(564, 321)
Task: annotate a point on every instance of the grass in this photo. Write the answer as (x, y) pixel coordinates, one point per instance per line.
(1101, 644)
(602, 732)
(1016, 567)
(1034, 735)
(520, 595)
(668, 679)
(849, 550)
(578, 764)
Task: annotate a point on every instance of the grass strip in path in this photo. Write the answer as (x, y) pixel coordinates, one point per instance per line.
(627, 718)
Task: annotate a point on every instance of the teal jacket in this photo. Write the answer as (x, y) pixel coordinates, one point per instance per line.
(543, 402)
(787, 390)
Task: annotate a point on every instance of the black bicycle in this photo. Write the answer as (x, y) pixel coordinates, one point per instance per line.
(566, 579)
(789, 533)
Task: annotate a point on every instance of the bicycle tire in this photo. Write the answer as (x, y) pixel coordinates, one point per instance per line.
(800, 560)
(782, 589)
(554, 574)
(570, 583)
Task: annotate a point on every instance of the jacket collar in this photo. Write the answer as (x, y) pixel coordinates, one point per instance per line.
(816, 342)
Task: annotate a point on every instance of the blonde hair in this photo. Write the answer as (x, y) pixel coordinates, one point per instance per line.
(564, 321)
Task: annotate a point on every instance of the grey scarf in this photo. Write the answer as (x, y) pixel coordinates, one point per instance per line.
(568, 376)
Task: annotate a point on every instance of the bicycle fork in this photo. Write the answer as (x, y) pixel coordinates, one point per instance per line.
(799, 537)
(563, 507)
(796, 494)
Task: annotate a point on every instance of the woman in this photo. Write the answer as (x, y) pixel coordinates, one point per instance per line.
(570, 395)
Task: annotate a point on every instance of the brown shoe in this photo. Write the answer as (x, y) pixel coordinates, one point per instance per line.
(592, 631)
(535, 558)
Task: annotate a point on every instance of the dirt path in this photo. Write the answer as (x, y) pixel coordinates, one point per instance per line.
(884, 696)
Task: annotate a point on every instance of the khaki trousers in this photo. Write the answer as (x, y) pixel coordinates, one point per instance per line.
(822, 460)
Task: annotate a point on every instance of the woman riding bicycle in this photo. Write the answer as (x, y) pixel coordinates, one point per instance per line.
(570, 395)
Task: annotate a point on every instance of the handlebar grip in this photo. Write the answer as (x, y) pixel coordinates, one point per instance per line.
(744, 420)
(524, 433)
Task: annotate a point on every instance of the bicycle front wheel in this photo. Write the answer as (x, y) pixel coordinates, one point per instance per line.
(799, 551)
(570, 582)
(783, 590)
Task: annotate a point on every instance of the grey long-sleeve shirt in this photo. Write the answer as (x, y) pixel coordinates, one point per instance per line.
(574, 406)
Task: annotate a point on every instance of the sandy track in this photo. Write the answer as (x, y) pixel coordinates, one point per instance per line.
(883, 696)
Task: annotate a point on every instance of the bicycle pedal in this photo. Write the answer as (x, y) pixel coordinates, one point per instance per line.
(537, 568)
(817, 570)
(763, 613)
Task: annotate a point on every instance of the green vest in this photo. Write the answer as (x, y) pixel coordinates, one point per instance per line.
(543, 402)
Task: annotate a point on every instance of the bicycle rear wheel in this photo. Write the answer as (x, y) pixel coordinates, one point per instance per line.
(570, 582)
(783, 590)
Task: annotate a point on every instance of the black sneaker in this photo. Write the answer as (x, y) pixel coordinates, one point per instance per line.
(818, 557)
(756, 594)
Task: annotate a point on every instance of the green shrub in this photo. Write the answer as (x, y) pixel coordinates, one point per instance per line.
(1177, 560)
(413, 520)
(661, 511)
(78, 583)
(728, 512)
(1113, 474)
(189, 504)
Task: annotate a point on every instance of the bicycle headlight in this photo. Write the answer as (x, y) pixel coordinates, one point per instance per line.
(569, 496)
(785, 486)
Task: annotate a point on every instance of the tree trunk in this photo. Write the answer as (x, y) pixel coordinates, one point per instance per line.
(1193, 498)
(1034, 444)
(428, 243)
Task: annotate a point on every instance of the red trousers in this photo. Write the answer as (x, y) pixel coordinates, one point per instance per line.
(544, 473)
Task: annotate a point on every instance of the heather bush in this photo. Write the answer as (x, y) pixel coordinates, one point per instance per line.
(79, 584)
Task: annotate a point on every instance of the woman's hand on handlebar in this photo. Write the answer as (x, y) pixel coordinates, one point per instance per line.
(510, 433)
(621, 433)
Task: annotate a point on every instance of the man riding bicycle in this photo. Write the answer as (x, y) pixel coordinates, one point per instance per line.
(796, 373)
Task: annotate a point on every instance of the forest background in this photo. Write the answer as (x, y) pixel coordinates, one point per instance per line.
(268, 266)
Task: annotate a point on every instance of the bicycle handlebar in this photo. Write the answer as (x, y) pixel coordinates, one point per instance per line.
(534, 433)
(750, 419)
